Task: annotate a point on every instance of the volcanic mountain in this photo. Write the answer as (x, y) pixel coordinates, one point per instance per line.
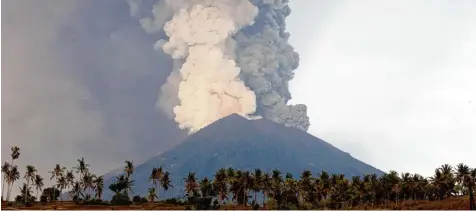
(243, 144)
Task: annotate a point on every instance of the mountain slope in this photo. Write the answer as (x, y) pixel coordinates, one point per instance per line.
(245, 144)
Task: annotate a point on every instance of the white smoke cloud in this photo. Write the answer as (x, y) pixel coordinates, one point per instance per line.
(204, 85)
(222, 34)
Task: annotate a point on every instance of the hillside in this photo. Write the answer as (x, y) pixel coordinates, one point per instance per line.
(244, 144)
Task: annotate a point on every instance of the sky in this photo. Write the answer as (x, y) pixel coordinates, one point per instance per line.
(390, 82)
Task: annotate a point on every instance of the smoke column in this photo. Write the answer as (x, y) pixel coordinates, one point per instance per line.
(231, 56)
(268, 63)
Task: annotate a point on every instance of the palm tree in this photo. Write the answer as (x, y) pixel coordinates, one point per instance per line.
(129, 168)
(463, 174)
(219, 184)
(57, 173)
(156, 176)
(99, 183)
(15, 153)
(448, 180)
(165, 182)
(305, 186)
(152, 194)
(82, 167)
(191, 185)
(25, 193)
(472, 183)
(62, 183)
(276, 183)
(12, 176)
(5, 168)
(69, 179)
(266, 186)
(38, 183)
(206, 188)
(257, 182)
(29, 176)
(87, 181)
(122, 184)
(75, 192)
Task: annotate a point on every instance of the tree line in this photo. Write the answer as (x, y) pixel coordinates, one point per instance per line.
(256, 188)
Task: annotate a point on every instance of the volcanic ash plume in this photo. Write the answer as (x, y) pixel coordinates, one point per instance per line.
(200, 36)
(268, 62)
(220, 48)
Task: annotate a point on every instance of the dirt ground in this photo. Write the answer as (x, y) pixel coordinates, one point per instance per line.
(454, 203)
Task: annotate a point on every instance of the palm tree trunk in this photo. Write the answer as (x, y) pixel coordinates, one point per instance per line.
(264, 197)
(27, 185)
(471, 197)
(8, 191)
(3, 188)
(157, 190)
(54, 194)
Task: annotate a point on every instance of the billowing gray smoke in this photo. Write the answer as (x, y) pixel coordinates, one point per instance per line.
(268, 62)
(231, 56)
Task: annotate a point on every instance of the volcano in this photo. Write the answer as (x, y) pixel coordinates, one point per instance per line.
(244, 144)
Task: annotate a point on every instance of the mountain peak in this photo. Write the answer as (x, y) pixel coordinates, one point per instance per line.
(239, 143)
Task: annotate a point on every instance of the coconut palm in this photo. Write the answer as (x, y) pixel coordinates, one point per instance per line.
(220, 185)
(29, 176)
(129, 168)
(38, 184)
(152, 194)
(99, 186)
(257, 182)
(15, 153)
(266, 188)
(471, 187)
(25, 193)
(57, 173)
(87, 182)
(12, 175)
(69, 178)
(75, 191)
(62, 183)
(191, 185)
(165, 182)
(206, 187)
(81, 168)
(156, 176)
(5, 168)
(305, 186)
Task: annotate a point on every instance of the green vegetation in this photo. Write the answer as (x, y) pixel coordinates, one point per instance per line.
(255, 189)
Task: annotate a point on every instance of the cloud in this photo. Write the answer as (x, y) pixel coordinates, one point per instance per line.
(80, 79)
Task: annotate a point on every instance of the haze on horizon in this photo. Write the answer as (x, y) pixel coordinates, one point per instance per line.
(387, 82)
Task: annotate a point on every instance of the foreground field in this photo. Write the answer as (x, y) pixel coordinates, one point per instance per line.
(453, 203)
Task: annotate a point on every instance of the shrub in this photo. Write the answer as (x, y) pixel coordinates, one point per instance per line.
(136, 199)
(174, 201)
(120, 199)
(143, 200)
(43, 199)
(255, 205)
(271, 204)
